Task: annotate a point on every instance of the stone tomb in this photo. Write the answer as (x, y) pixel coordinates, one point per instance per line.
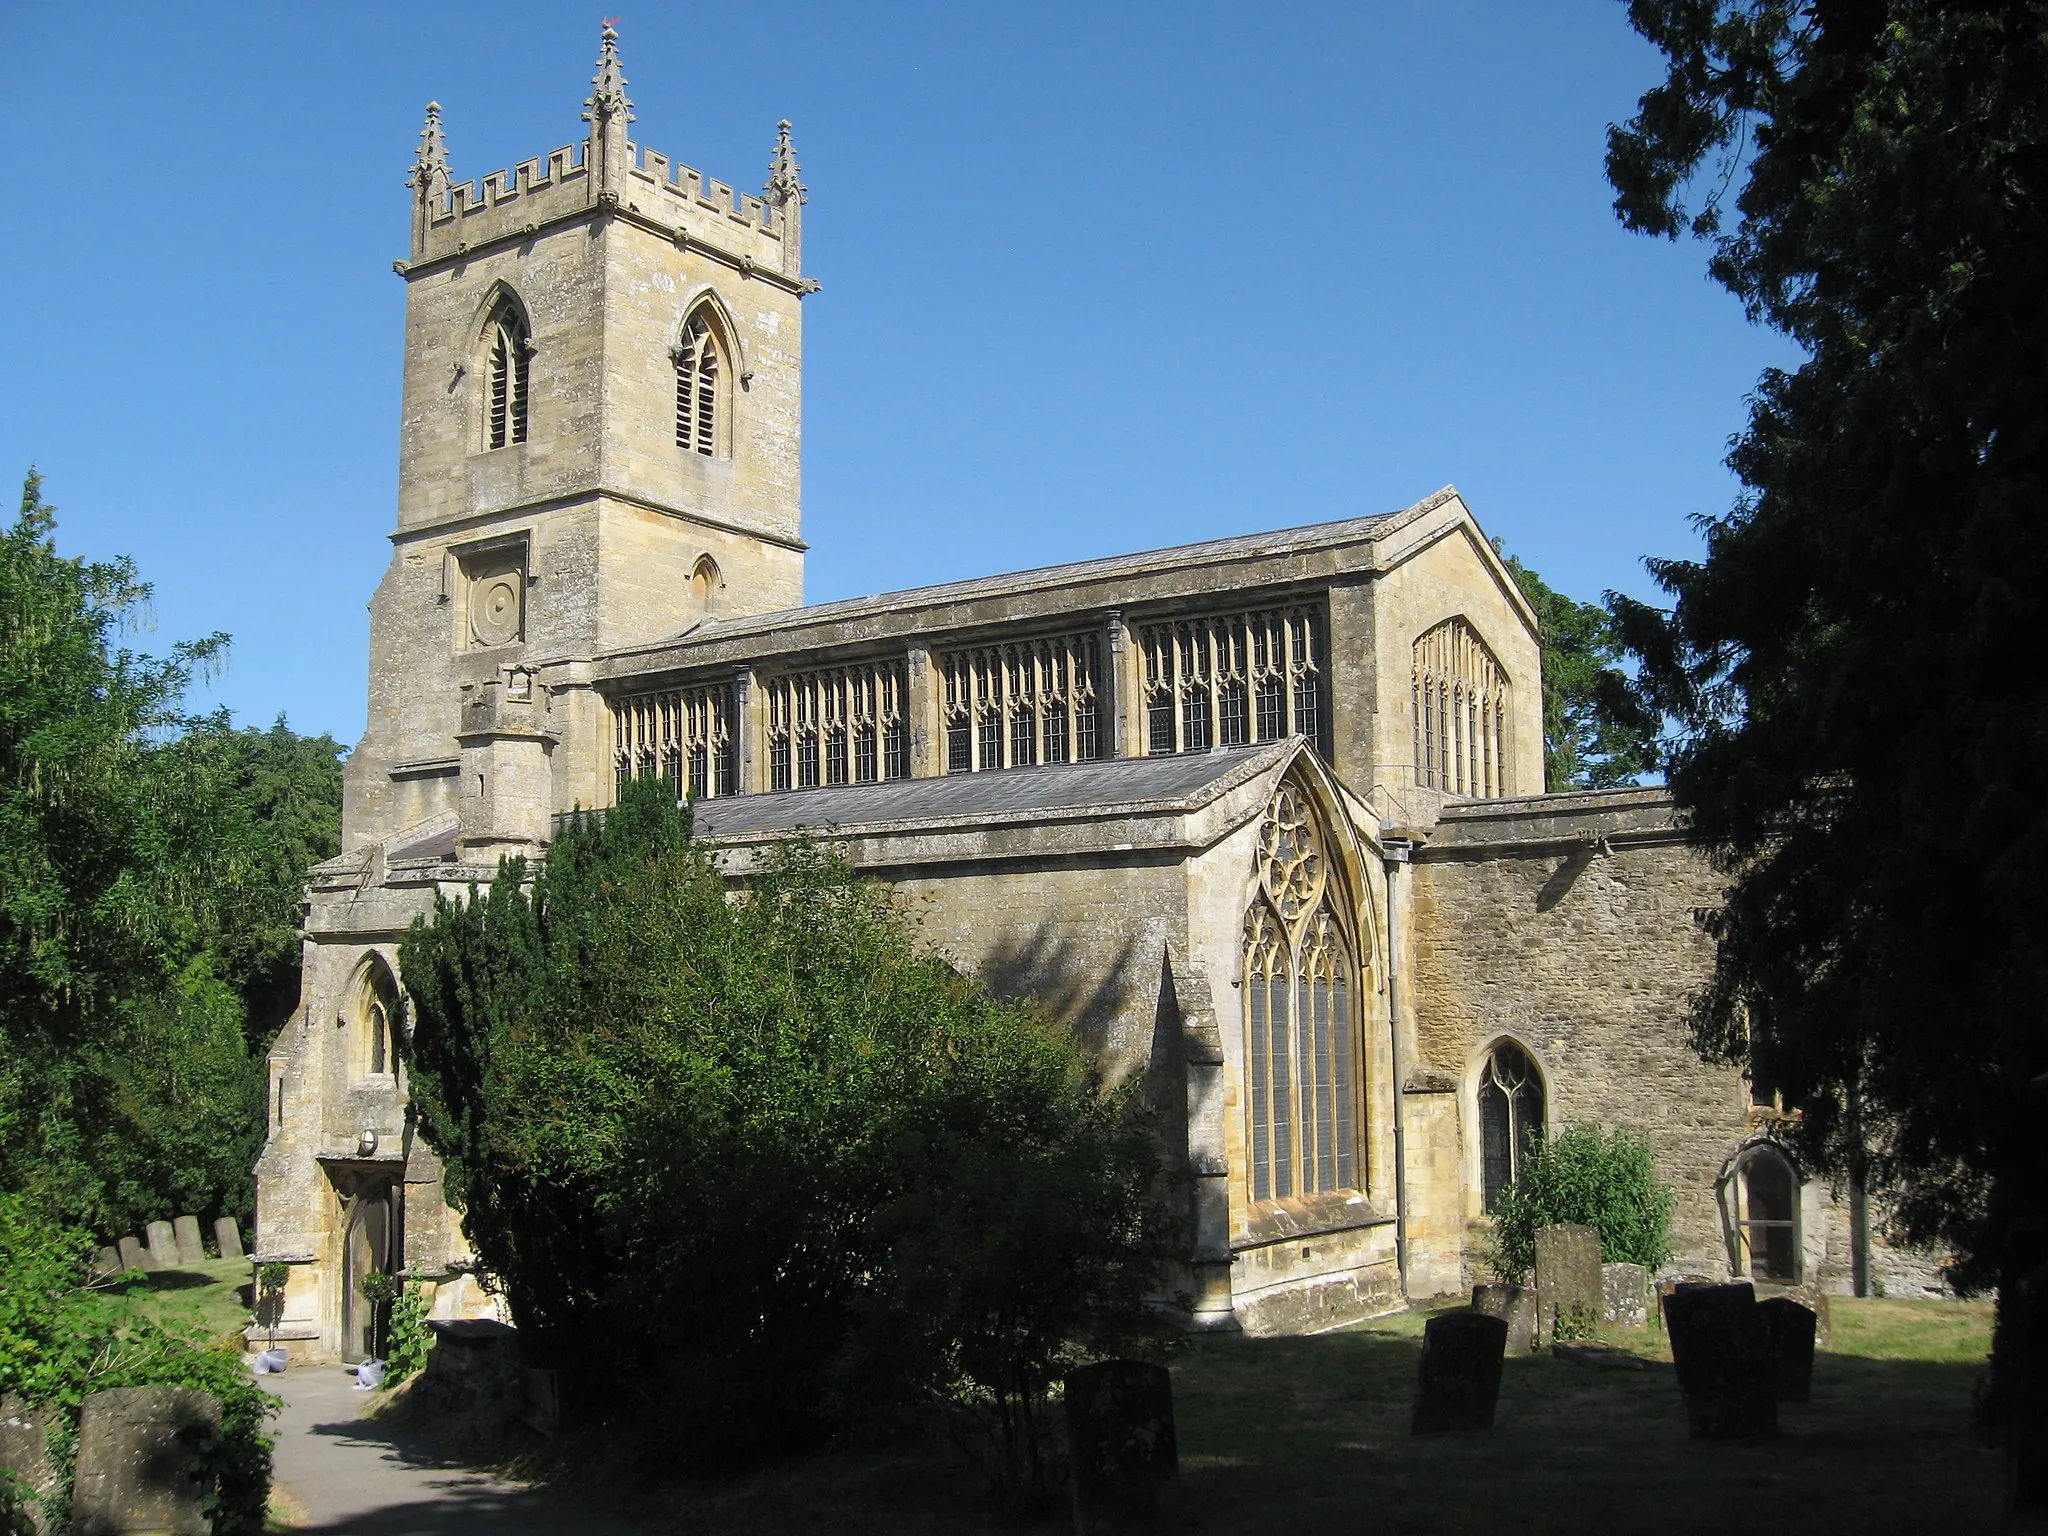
(135, 1470)
(1514, 1305)
(1458, 1379)
(1727, 1370)
(1626, 1288)
(1120, 1441)
(191, 1246)
(1569, 1286)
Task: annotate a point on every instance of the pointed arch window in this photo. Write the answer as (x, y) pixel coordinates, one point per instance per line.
(1460, 707)
(1301, 1048)
(700, 372)
(508, 349)
(1510, 1117)
(371, 1024)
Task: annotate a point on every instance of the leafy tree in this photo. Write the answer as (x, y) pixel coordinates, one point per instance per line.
(752, 1166)
(1606, 1180)
(150, 873)
(1594, 735)
(1863, 731)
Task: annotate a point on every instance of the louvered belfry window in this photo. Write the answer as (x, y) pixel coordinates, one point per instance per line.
(844, 725)
(1231, 680)
(1461, 713)
(1302, 1099)
(684, 735)
(697, 365)
(506, 368)
(1035, 701)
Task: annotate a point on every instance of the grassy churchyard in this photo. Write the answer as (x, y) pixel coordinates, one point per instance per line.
(1306, 1435)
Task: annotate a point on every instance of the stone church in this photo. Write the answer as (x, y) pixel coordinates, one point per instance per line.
(1262, 818)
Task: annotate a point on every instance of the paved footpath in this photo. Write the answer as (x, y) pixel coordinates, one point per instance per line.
(340, 1472)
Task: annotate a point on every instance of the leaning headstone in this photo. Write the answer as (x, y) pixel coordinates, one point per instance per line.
(1514, 1305)
(25, 1454)
(1569, 1294)
(1120, 1443)
(1721, 1346)
(191, 1246)
(1626, 1288)
(133, 1254)
(105, 1262)
(227, 1237)
(1791, 1330)
(136, 1470)
(1458, 1381)
(2023, 1347)
(163, 1245)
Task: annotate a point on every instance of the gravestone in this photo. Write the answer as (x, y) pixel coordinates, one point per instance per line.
(133, 1254)
(136, 1470)
(1120, 1443)
(227, 1237)
(2023, 1344)
(163, 1245)
(1790, 1328)
(1626, 1289)
(1514, 1305)
(1568, 1284)
(105, 1262)
(1458, 1381)
(191, 1247)
(1811, 1297)
(1721, 1346)
(25, 1451)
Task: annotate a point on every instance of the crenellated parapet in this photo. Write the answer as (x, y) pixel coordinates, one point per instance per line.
(607, 175)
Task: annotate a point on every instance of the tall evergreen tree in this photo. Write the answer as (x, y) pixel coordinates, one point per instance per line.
(1864, 733)
(1593, 735)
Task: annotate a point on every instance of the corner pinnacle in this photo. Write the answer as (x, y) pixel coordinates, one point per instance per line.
(785, 176)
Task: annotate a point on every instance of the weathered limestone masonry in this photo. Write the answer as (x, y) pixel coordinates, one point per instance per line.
(1258, 818)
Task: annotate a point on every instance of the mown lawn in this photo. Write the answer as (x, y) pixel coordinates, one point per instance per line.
(1300, 1436)
(205, 1296)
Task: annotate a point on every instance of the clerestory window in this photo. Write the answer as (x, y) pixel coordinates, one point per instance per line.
(507, 353)
(700, 367)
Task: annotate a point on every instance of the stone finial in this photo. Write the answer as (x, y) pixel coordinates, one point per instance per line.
(784, 191)
(608, 111)
(430, 160)
(785, 176)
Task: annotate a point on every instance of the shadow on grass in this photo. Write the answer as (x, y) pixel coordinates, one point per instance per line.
(1307, 1435)
(143, 1281)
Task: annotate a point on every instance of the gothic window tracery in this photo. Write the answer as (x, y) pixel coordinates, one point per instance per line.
(507, 350)
(684, 735)
(1301, 1056)
(1232, 680)
(1511, 1113)
(1460, 709)
(700, 369)
(371, 1021)
(845, 725)
(1035, 701)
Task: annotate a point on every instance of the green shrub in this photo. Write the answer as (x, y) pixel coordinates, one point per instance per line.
(60, 1342)
(758, 1167)
(410, 1339)
(1606, 1180)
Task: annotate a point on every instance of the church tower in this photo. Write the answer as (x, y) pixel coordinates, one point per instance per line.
(600, 447)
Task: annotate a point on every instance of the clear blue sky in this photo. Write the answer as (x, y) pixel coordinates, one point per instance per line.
(1097, 278)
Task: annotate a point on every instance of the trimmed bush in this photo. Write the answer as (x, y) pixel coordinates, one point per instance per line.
(1606, 1180)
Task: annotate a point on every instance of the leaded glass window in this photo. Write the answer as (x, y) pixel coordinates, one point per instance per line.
(1460, 709)
(684, 735)
(1200, 674)
(1033, 701)
(1510, 1117)
(826, 726)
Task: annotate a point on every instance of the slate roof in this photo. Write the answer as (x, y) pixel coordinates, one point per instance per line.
(1166, 784)
(1239, 546)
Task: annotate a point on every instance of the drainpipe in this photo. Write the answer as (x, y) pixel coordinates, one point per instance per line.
(1395, 852)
